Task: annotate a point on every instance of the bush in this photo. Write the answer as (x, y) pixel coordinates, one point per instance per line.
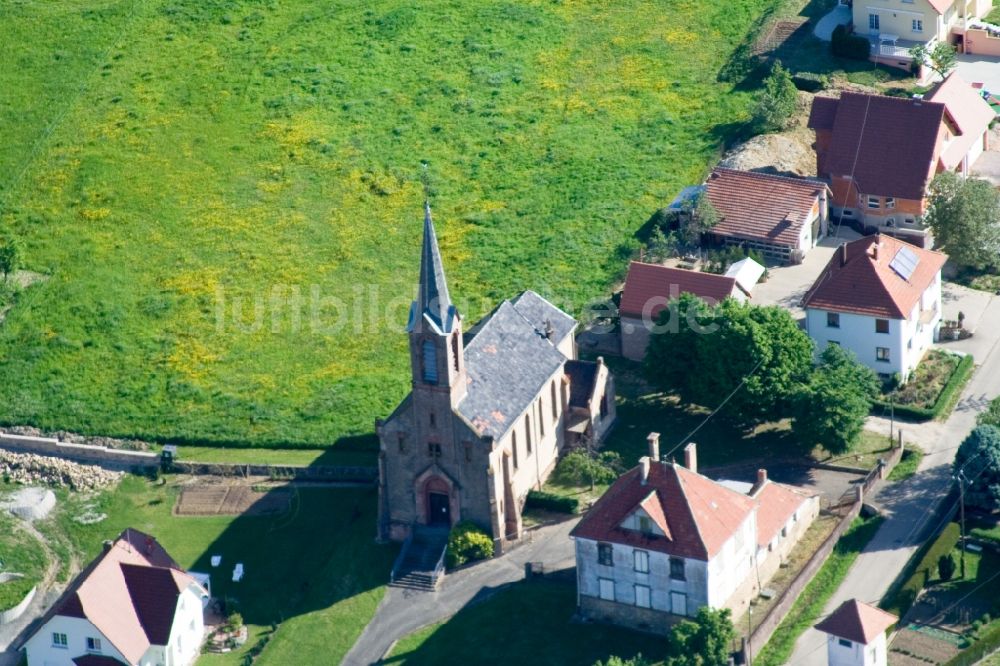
(538, 499)
(776, 102)
(846, 45)
(809, 82)
(468, 543)
(946, 566)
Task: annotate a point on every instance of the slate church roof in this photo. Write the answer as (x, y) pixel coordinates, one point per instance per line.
(510, 358)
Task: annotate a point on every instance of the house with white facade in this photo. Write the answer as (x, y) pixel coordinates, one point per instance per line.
(880, 297)
(132, 605)
(856, 634)
(664, 541)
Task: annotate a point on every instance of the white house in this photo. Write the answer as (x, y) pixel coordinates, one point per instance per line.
(132, 605)
(856, 634)
(664, 541)
(880, 297)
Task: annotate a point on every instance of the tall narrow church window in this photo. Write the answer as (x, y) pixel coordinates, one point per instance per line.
(402, 443)
(527, 431)
(555, 412)
(513, 446)
(468, 452)
(454, 350)
(432, 419)
(604, 405)
(430, 363)
(541, 416)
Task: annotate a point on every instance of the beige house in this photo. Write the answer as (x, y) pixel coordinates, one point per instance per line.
(894, 26)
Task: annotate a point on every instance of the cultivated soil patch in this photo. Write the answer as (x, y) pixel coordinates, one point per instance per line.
(217, 499)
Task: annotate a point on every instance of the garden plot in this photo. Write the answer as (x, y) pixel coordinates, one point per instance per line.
(214, 499)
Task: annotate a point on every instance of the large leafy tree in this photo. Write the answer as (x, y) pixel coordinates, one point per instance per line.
(705, 353)
(831, 407)
(964, 215)
(978, 459)
(697, 217)
(706, 641)
(776, 102)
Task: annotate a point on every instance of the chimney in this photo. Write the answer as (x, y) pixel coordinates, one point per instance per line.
(875, 251)
(843, 254)
(644, 469)
(654, 445)
(549, 331)
(691, 457)
(761, 477)
(108, 545)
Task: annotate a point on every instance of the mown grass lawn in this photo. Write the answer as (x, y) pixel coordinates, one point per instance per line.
(549, 638)
(169, 162)
(314, 571)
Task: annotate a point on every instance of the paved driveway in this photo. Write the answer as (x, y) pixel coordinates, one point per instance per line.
(786, 285)
(980, 69)
(839, 15)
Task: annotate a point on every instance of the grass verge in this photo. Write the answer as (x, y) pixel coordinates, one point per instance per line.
(907, 465)
(809, 606)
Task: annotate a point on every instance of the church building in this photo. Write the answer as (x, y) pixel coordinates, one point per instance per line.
(489, 413)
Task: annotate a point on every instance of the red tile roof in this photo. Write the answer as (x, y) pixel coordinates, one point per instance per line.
(941, 6)
(857, 621)
(761, 206)
(777, 504)
(96, 660)
(127, 605)
(889, 144)
(650, 286)
(823, 113)
(971, 114)
(701, 514)
(867, 285)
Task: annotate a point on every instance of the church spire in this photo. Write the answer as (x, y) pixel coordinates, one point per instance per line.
(432, 302)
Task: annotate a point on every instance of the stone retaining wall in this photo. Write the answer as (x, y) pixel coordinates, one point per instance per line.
(137, 461)
(12, 614)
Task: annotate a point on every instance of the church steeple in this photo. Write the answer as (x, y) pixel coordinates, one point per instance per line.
(433, 303)
(437, 351)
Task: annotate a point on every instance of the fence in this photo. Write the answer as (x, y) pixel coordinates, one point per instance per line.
(119, 459)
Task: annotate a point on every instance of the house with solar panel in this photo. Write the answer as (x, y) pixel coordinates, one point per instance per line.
(489, 413)
(880, 297)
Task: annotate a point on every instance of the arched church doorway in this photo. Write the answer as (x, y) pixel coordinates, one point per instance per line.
(438, 503)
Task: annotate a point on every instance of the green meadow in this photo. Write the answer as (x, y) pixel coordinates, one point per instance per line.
(226, 195)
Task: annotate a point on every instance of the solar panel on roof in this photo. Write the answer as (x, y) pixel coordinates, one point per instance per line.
(905, 262)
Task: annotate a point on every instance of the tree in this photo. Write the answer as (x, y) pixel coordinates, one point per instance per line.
(940, 59)
(705, 353)
(579, 468)
(618, 661)
(706, 641)
(776, 102)
(964, 215)
(661, 245)
(946, 566)
(978, 459)
(832, 406)
(697, 217)
(10, 256)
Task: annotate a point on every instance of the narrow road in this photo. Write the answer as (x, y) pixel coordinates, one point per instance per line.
(404, 611)
(908, 505)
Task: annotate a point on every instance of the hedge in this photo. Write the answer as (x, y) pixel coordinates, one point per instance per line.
(946, 398)
(904, 590)
(986, 644)
(846, 45)
(539, 499)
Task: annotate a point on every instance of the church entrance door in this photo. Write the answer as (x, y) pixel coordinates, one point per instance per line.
(439, 511)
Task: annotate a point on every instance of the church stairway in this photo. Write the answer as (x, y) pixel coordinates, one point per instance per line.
(420, 566)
